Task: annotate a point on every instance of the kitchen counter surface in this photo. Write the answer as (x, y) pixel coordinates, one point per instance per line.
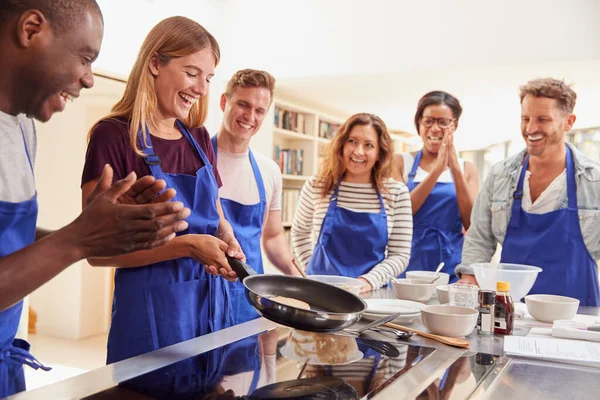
(487, 373)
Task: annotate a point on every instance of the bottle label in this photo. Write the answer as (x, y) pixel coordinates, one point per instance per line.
(484, 320)
(500, 323)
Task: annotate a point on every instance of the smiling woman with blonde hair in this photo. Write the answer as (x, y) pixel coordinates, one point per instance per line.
(352, 218)
(167, 296)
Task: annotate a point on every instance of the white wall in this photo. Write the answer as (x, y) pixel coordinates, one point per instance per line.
(126, 24)
(75, 303)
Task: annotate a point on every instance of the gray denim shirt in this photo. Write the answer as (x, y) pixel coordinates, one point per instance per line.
(492, 209)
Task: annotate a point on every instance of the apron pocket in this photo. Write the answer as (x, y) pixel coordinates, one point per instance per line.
(174, 311)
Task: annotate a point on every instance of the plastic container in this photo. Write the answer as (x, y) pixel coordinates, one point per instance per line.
(463, 295)
(520, 277)
(352, 285)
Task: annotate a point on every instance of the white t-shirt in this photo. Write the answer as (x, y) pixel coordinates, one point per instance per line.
(239, 183)
(409, 160)
(16, 178)
(550, 199)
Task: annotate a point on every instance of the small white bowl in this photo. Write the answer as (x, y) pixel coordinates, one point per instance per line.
(442, 292)
(450, 321)
(549, 308)
(413, 289)
(443, 278)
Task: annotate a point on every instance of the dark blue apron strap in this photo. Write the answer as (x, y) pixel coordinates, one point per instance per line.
(413, 170)
(151, 159)
(515, 214)
(186, 133)
(381, 205)
(444, 379)
(213, 141)
(256, 375)
(18, 354)
(259, 180)
(571, 185)
(26, 149)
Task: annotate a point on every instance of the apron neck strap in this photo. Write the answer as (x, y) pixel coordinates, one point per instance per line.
(413, 170)
(153, 160)
(571, 185)
(26, 148)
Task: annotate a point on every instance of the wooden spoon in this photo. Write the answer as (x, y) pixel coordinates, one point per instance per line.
(456, 342)
(299, 268)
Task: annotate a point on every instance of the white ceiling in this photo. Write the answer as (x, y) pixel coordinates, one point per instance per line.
(380, 56)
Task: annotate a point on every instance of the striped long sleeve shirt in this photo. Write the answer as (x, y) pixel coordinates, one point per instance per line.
(358, 197)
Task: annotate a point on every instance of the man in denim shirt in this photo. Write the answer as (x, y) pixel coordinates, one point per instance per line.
(543, 204)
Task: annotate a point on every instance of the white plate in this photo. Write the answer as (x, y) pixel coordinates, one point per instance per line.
(391, 306)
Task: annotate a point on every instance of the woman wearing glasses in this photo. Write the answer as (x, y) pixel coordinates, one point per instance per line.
(442, 186)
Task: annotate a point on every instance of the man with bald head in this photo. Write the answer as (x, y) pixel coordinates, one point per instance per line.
(47, 48)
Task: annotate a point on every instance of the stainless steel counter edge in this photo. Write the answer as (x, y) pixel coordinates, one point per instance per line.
(483, 389)
(110, 376)
(410, 384)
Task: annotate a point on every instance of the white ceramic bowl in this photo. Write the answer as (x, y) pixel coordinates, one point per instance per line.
(413, 289)
(443, 278)
(442, 292)
(549, 308)
(521, 277)
(352, 285)
(448, 320)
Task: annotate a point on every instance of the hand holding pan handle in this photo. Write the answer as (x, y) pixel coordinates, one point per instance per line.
(242, 269)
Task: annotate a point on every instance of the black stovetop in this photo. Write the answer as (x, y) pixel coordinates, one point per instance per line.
(287, 364)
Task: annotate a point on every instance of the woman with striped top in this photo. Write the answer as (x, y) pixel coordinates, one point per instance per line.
(442, 186)
(353, 219)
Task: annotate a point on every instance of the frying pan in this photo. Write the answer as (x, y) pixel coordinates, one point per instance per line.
(332, 308)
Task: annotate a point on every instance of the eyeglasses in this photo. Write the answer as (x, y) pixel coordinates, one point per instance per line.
(443, 123)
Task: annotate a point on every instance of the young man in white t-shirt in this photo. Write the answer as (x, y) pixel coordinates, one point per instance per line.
(252, 183)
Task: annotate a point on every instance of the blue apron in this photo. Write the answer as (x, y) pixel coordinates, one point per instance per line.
(210, 369)
(553, 242)
(240, 357)
(437, 228)
(171, 301)
(17, 230)
(350, 243)
(247, 222)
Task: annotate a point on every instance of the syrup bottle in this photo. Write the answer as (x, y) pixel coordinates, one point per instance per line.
(504, 314)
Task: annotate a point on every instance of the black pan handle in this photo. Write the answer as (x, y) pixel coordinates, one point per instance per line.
(242, 269)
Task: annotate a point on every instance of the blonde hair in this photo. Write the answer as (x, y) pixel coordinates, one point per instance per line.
(250, 78)
(171, 38)
(332, 167)
(552, 89)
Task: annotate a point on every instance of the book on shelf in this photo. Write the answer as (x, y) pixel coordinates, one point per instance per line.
(289, 201)
(290, 161)
(290, 120)
(327, 129)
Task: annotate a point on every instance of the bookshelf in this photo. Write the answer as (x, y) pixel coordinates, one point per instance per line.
(298, 138)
